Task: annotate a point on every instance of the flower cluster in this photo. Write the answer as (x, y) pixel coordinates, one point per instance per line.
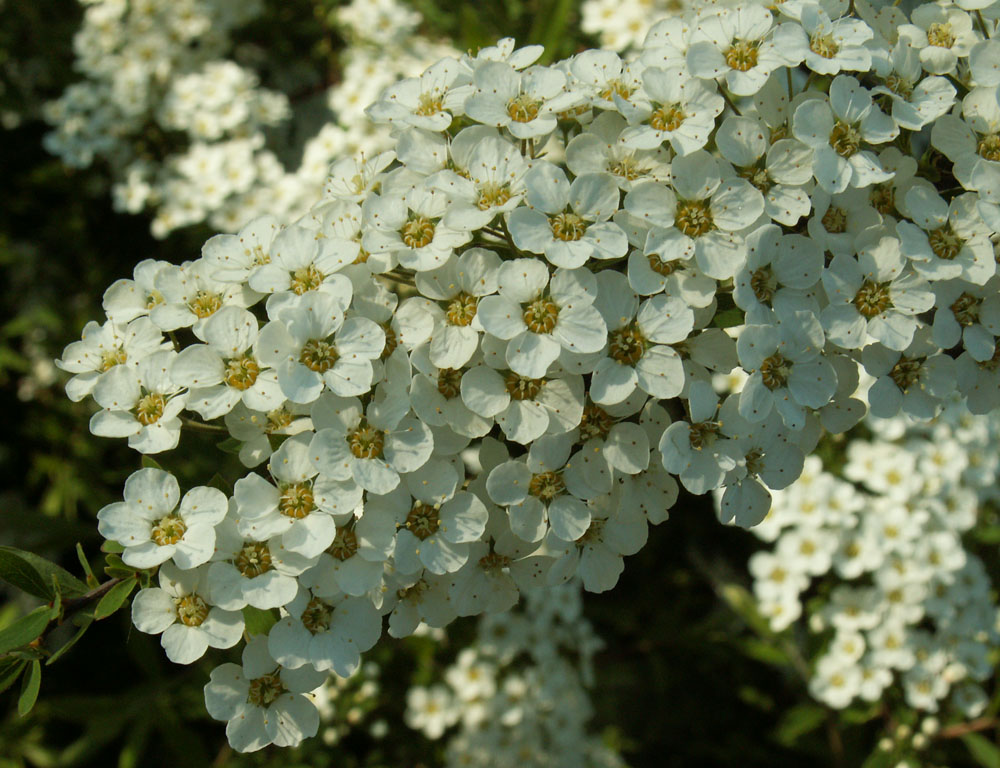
(515, 696)
(484, 360)
(906, 598)
(185, 128)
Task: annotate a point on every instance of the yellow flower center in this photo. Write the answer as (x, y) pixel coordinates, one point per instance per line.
(845, 139)
(318, 355)
(667, 117)
(989, 147)
(316, 616)
(423, 520)
(899, 85)
(966, 309)
(823, 45)
(168, 530)
(494, 562)
(883, 198)
(429, 104)
(905, 373)
(391, 341)
(523, 108)
(757, 177)
(296, 500)
(567, 227)
(254, 559)
(661, 267)
(940, 35)
(241, 372)
(694, 218)
(522, 388)
(191, 610)
(626, 167)
(945, 243)
(149, 409)
(492, 195)
(462, 309)
(279, 418)
(702, 433)
(596, 422)
(112, 357)
(763, 284)
(418, 231)
(366, 442)
(546, 485)
(742, 55)
(835, 220)
(615, 86)
(153, 299)
(345, 544)
(449, 382)
(774, 371)
(205, 304)
(627, 345)
(306, 279)
(541, 315)
(265, 690)
(872, 299)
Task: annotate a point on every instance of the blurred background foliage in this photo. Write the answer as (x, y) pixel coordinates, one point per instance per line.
(688, 677)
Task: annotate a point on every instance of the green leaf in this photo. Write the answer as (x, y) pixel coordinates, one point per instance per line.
(25, 629)
(148, 462)
(87, 621)
(765, 652)
(230, 445)
(728, 318)
(798, 721)
(982, 750)
(259, 622)
(85, 564)
(116, 567)
(30, 684)
(114, 599)
(220, 483)
(16, 570)
(16, 563)
(112, 547)
(742, 602)
(10, 670)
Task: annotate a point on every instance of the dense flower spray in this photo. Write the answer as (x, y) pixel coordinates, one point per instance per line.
(483, 362)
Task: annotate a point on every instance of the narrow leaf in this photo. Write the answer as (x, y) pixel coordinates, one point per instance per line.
(15, 570)
(798, 721)
(30, 684)
(25, 629)
(148, 462)
(69, 584)
(258, 622)
(114, 599)
(10, 670)
(982, 750)
(71, 642)
(85, 564)
(230, 445)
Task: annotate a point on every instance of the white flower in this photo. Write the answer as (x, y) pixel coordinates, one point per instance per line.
(539, 317)
(150, 529)
(525, 103)
(694, 451)
(536, 492)
(424, 102)
(191, 296)
(941, 35)
(141, 404)
(837, 131)
(296, 510)
(599, 149)
(788, 370)
(568, 222)
(709, 215)
(325, 633)
(262, 701)
(226, 371)
(235, 258)
(102, 347)
(302, 260)
(299, 345)
(371, 449)
(637, 354)
(431, 710)
(946, 240)
(494, 182)
(914, 382)
(735, 45)
(916, 102)
(874, 295)
(826, 46)
(670, 107)
(189, 623)
(779, 273)
(125, 300)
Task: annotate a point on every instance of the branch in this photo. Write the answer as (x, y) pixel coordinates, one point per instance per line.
(960, 729)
